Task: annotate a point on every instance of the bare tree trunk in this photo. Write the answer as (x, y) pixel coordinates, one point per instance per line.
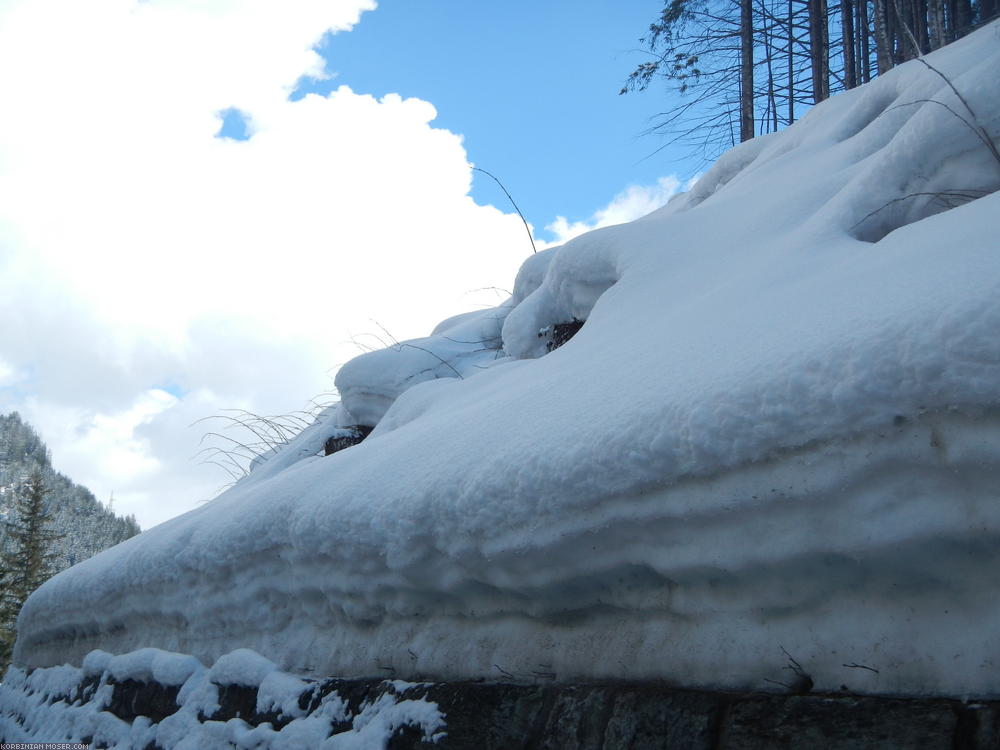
(919, 14)
(771, 113)
(847, 33)
(791, 62)
(864, 34)
(824, 14)
(883, 36)
(987, 10)
(746, 70)
(819, 53)
(859, 33)
(963, 18)
(909, 45)
(935, 17)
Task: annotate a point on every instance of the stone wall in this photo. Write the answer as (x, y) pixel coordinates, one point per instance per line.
(505, 716)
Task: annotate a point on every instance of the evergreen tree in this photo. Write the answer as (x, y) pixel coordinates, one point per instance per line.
(84, 524)
(47, 521)
(27, 563)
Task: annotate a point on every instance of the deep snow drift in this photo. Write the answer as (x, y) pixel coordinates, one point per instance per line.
(778, 431)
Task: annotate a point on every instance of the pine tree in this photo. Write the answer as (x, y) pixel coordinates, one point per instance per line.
(28, 562)
(84, 524)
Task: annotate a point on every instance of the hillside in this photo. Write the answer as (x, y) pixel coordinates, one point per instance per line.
(757, 428)
(84, 525)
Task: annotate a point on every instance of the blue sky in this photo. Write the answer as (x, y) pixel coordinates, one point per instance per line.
(532, 87)
(153, 273)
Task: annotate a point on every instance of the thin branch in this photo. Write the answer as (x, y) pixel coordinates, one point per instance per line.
(794, 665)
(526, 227)
(437, 357)
(984, 136)
(968, 124)
(968, 195)
(399, 346)
(861, 666)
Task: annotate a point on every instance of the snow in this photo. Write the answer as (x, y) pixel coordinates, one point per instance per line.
(242, 667)
(147, 664)
(371, 384)
(44, 705)
(96, 662)
(381, 718)
(279, 692)
(778, 431)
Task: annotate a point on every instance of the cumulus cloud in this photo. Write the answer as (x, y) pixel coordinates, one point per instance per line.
(112, 439)
(152, 273)
(628, 205)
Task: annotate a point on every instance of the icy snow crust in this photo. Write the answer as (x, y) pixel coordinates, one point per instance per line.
(778, 431)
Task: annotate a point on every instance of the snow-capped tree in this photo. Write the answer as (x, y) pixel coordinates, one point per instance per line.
(28, 561)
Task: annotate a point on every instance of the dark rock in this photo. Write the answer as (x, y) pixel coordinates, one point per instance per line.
(407, 737)
(626, 716)
(236, 702)
(346, 438)
(563, 332)
(87, 689)
(240, 702)
(491, 716)
(577, 719)
(132, 698)
(838, 723)
(644, 719)
(978, 726)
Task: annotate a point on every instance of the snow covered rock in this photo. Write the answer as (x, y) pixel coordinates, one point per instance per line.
(242, 701)
(131, 712)
(777, 436)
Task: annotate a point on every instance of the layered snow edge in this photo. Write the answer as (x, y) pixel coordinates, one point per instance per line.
(776, 433)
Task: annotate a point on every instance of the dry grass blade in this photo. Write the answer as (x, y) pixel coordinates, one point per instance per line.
(525, 221)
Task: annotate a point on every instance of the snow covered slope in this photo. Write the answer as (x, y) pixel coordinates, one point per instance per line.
(776, 436)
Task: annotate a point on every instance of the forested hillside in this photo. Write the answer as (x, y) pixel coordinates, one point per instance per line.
(84, 526)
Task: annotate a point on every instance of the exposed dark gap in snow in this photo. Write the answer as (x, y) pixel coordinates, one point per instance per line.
(558, 334)
(346, 437)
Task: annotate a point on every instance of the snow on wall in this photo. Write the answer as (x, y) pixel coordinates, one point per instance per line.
(118, 702)
(778, 431)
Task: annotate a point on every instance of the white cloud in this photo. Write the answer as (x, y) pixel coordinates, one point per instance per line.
(138, 252)
(110, 439)
(628, 205)
(8, 376)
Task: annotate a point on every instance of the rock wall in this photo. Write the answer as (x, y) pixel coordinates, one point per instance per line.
(146, 715)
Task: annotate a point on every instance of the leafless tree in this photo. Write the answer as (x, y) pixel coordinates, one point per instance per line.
(746, 67)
